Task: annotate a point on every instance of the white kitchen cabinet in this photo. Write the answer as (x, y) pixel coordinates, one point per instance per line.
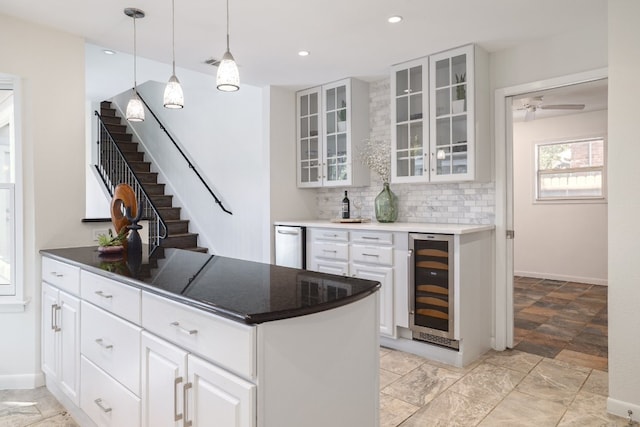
(61, 340)
(363, 254)
(440, 118)
(332, 121)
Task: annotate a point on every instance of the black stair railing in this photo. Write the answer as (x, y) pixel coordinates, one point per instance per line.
(184, 156)
(114, 169)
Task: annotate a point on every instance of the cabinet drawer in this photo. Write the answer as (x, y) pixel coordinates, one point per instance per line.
(61, 275)
(118, 298)
(113, 344)
(372, 237)
(381, 255)
(330, 250)
(106, 401)
(330, 235)
(222, 341)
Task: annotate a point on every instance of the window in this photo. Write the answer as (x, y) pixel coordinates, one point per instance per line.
(8, 243)
(570, 170)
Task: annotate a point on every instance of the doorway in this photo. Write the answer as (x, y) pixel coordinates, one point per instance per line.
(504, 172)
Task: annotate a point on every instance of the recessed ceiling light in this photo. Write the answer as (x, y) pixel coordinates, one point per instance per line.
(303, 53)
(109, 52)
(395, 19)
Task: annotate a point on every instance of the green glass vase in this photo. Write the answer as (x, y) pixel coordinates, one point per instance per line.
(386, 205)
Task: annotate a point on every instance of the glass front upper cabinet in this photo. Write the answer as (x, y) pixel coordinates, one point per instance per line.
(452, 115)
(308, 140)
(410, 129)
(337, 118)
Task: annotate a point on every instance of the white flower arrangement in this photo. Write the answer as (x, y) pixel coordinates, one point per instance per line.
(376, 155)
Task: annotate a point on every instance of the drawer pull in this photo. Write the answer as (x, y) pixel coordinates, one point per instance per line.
(330, 251)
(54, 318)
(103, 345)
(184, 330)
(176, 415)
(98, 402)
(330, 235)
(185, 390)
(103, 295)
(370, 238)
(374, 255)
(56, 274)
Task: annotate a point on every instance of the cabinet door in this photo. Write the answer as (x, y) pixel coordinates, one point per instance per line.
(50, 321)
(452, 115)
(384, 275)
(410, 127)
(309, 138)
(163, 379)
(69, 355)
(331, 267)
(217, 397)
(336, 102)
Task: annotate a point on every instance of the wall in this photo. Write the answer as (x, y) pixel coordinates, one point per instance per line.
(222, 135)
(561, 241)
(50, 66)
(624, 205)
(460, 203)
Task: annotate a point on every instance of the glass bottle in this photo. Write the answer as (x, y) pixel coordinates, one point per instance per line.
(386, 205)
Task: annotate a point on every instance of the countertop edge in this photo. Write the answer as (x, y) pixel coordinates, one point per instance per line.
(246, 318)
(410, 227)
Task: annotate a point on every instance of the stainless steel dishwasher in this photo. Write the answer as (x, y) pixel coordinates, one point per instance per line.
(290, 246)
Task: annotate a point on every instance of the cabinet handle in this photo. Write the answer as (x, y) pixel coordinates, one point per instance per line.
(375, 255)
(101, 343)
(370, 238)
(330, 235)
(56, 274)
(54, 318)
(293, 233)
(98, 402)
(185, 390)
(184, 330)
(177, 416)
(410, 285)
(103, 295)
(330, 251)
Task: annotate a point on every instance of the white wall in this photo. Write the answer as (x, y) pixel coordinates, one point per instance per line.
(624, 205)
(50, 65)
(561, 241)
(222, 135)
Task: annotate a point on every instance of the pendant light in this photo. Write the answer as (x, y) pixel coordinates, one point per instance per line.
(135, 109)
(228, 78)
(173, 95)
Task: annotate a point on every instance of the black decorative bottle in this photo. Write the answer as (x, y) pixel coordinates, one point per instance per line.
(346, 209)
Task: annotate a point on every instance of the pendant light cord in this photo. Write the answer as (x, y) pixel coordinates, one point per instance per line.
(135, 84)
(227, 25)
(173, 35)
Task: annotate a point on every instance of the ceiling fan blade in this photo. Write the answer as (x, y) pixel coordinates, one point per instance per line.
(563, 107)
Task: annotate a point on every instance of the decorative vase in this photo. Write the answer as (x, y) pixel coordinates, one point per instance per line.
(386, 205)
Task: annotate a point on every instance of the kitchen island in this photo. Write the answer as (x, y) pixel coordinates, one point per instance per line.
(185, 338)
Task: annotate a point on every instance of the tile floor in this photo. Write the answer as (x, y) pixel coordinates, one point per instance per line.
(561, 320)
(555, 376)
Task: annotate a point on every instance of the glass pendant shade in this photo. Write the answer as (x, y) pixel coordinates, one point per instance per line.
(135, 109)
(173, 95)
(228, 77)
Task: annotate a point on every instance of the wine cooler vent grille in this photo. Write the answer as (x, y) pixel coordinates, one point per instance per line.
(434, 339)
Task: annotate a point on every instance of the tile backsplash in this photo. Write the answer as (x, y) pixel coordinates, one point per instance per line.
(457, 203)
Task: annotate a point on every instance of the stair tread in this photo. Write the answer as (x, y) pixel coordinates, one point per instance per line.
(175, 220)
(183, 235)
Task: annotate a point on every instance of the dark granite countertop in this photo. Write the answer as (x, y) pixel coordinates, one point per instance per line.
(245, 291)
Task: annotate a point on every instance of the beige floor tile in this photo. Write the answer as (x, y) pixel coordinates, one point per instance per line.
(488, 383)
(399, 362)
(522, 410)
(449, 409)
(554, 380)
(384, 350)
(387, 378)
(513, 359)
(597, 383)
(422, 384)
(394, 411)
(590, 410)
(60, 420)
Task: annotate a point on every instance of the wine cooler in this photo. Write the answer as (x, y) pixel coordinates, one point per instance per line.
(431, 289)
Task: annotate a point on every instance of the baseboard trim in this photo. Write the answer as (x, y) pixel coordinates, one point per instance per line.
(562, 277)
(22, 381)
(621, 409)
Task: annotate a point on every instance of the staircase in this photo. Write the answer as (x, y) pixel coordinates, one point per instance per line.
(178, 235)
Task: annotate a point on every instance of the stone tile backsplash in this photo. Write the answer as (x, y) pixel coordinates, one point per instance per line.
(456, 203)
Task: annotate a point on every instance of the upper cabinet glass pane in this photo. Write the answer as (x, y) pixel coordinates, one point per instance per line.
(304, 105)
(442, 102)
(402, 109)
(342, 97)
(415, 79)
(442, 73)
(402, 82)
(331, 99)
(415, 106)
(459, 69)
(313, 103)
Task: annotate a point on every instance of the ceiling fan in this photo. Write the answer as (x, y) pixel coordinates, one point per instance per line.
(531, 105)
